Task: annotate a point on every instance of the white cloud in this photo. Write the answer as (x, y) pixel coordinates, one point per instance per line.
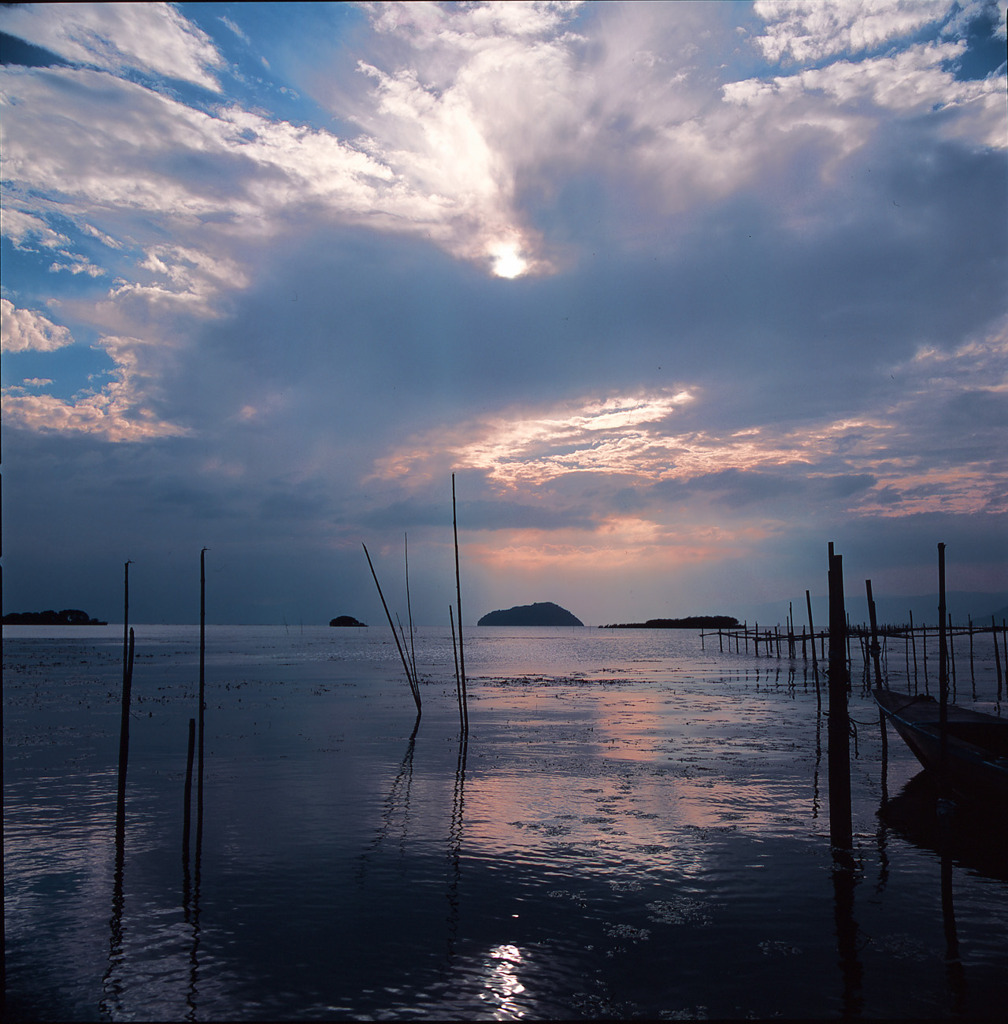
(148, 37)
(25, 229)
(809, 30)
(24, 330)
(122, 410)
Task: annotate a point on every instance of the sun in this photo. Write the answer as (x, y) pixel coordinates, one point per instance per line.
(507, 260)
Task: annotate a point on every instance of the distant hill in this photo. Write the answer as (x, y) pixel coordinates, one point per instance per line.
(346, 620)
(543, 613)
(689, 622)
(67, 617)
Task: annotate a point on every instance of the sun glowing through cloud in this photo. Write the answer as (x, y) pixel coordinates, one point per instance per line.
(507, 260)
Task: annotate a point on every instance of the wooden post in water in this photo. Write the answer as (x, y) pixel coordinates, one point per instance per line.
(951, 654)
(811, 626)
(409, 617)
(745, 633)
(997, 656)
(969, 619)
(458, 598)
(458, 680)
(841, 833)
(395, 636)
(755, 639)
(927, 689)
(913, 644)
(942, 665)
(874, 636)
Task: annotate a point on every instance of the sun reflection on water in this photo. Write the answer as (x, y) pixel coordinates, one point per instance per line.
(502, 984)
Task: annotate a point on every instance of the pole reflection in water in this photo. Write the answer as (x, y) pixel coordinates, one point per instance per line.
(397, 795)
(844, 880)
(191, 894)
(112, 985)
(455, 844)
(953, 962)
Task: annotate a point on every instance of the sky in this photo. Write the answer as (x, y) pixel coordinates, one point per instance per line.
(679, 292)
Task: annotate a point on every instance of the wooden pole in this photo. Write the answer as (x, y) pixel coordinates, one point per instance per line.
(458, 598)
(811, 626)
(841, 833)
(913, 644)
(951, 656)
(924, 654)
(969, 619)
(409, 617)
(874, 636)
(395, 636)
(942, 664)
(997, 656)
(458, 680)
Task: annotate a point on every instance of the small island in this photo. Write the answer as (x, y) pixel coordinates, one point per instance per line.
(542, 613)
(67, 617)
(689, 622)
(346, 620)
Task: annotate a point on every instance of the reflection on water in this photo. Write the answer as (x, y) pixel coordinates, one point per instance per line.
(632, 827)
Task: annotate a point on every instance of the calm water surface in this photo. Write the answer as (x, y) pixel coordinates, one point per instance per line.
(635, 827)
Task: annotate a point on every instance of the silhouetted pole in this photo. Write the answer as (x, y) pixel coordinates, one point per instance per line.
(458, 598)
(874, 635)
(811, 626)
(409, 617)
(841, 835)
(913, 645)
(458, 680)
(942, 664)
(997, 656)
(395, 636)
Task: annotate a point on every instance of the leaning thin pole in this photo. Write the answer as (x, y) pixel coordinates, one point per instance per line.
(458, 680)
(458, 598)
(409, 677)
(409, 615)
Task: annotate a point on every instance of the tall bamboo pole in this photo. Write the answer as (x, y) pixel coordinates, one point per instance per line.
(458, 598)
(943, 681)
(458, 680)
(406, 668)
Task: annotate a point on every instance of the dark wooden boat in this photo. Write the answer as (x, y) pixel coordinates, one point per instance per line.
(976, 761)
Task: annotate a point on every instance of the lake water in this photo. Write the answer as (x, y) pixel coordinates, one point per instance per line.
(635, 827)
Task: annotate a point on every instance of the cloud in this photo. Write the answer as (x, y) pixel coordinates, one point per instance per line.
(807, 30)
(25, 330)
(150, 38)
(122, 410)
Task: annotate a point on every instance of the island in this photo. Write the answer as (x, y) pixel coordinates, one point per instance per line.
(690, 622)
(346, 620)
(67, 617)
(542, 613)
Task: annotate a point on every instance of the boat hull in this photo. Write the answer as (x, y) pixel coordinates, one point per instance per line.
(975, 764)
